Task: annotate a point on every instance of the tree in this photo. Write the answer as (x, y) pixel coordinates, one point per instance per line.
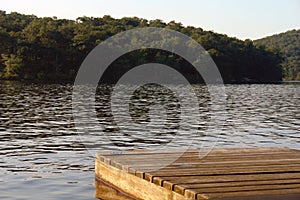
(53, 49)
(288, 45)
(298, 77)
(13, 66)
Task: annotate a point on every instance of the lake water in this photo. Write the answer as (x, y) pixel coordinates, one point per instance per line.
(42, 155)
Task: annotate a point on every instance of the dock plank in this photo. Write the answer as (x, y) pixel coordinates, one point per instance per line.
(224, 173)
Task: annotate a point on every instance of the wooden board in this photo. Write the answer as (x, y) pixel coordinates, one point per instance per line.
(108, 191)
(250, 173)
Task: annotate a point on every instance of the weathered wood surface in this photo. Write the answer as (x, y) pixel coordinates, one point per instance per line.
(108, 191)
(254, 173)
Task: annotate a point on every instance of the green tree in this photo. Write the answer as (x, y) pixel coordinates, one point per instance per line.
(13, 66)
(288, 45)
(53, 49)
(298, 77)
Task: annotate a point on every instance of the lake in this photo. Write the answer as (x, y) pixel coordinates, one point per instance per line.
(43, 155)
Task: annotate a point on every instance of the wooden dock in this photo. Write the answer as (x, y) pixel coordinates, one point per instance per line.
(254, 173)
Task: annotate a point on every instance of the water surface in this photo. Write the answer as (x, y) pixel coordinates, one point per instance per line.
(42, 156)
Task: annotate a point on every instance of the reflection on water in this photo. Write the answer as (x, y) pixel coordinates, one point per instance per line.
(42, 157)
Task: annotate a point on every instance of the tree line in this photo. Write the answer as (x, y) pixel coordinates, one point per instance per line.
(288, 44)
(52, 49)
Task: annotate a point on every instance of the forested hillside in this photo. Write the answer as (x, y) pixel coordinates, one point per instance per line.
(51, 49)
(288, 44)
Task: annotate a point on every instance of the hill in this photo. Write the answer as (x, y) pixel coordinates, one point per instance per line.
(51, 49)
(288, 44)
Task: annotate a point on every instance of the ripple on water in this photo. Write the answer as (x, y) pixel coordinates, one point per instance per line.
(41, 152)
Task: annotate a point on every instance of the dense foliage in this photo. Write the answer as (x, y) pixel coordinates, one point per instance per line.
(288, 44)
(34, 48)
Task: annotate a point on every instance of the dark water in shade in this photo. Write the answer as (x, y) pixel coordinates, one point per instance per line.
(41, 156)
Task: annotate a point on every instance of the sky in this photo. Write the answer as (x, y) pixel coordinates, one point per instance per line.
(243, 19)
